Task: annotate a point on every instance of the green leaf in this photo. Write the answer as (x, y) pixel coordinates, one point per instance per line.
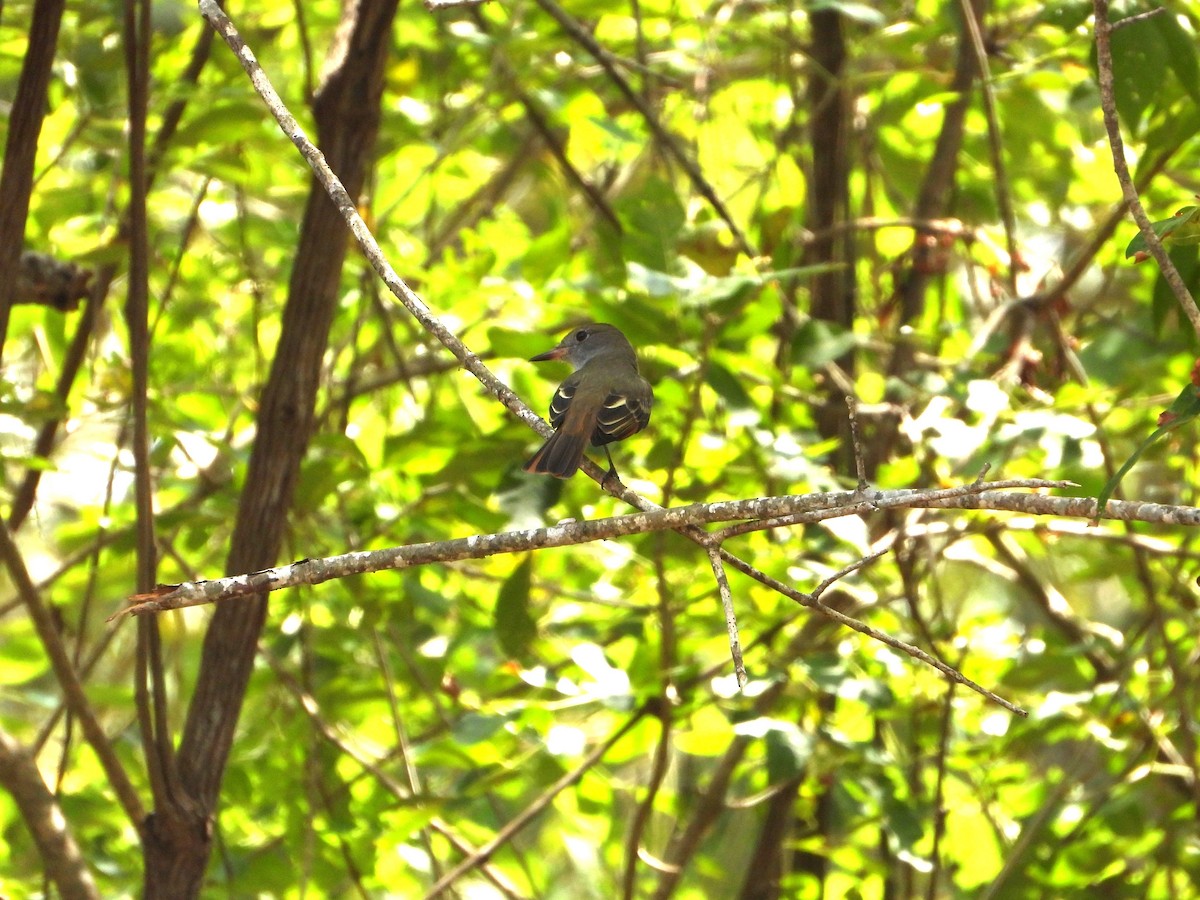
(1181, 228)
(1184, 409)
(729, 386)
(515, 627)
(1163, 300)
(817, 342)
(1181, 54)
(1139, 68)
(653, 217)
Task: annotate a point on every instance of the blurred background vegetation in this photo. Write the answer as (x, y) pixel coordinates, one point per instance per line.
(779, 203)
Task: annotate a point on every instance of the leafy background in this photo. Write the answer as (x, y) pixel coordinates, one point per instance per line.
(396, 721)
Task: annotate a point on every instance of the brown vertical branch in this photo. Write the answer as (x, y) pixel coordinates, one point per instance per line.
(833, 292)
(149, 688)
(20, 150)
(16, 183)
(1108, 103)
(347, 110)
(137, 301)
(766, 870)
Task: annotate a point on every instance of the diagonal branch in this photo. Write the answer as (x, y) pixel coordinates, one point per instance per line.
(68, 679)
(43, 816)
(527, 815)
(735, 643)
(1104, 70)
(668, 140)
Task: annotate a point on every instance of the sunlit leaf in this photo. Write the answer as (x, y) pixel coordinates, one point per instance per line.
(515, 627)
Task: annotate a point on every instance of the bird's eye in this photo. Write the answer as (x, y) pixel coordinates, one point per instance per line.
(581, 335)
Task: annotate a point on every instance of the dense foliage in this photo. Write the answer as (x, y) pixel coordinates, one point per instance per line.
(397, 722)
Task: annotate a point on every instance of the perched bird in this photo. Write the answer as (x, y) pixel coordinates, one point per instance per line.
(604, 400)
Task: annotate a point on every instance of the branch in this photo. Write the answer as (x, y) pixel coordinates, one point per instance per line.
(479, 546)
(527, 815)
(735, 643)
(581, 36)
(349, 212)
(811, 602)
(1108, 103)
(43, 816)
(995, 141)
(68, 679)
(20, 150)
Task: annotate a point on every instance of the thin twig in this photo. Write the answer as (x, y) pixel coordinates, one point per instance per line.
(995, 141)
(437, 5)
(862, 628)
(537, 118)
(735, 643)
(1130, 20)
(860, 466)
(847, 570)
(668, 140)
(1108, 103)
(518, 822)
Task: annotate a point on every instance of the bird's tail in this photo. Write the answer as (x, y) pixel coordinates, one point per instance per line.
(560, 456)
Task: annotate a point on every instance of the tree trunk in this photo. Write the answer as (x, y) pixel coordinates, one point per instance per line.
(178, 837)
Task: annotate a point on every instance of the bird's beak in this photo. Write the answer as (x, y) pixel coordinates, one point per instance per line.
(556, 353)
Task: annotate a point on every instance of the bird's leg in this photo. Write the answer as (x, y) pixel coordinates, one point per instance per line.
(612, 469)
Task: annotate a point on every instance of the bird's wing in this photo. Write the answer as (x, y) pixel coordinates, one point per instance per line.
(621, 416)
(561, 401)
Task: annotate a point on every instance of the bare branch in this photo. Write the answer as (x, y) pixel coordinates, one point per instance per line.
(68, 679)
(43, 816)
(735, 643)
(1129, 20)
(1108, 102)
(317, 571)
(860, 465)
(519, 821)
(875, 634)
(581, 36)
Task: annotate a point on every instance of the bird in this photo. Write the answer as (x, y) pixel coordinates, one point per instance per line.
(604, 400)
